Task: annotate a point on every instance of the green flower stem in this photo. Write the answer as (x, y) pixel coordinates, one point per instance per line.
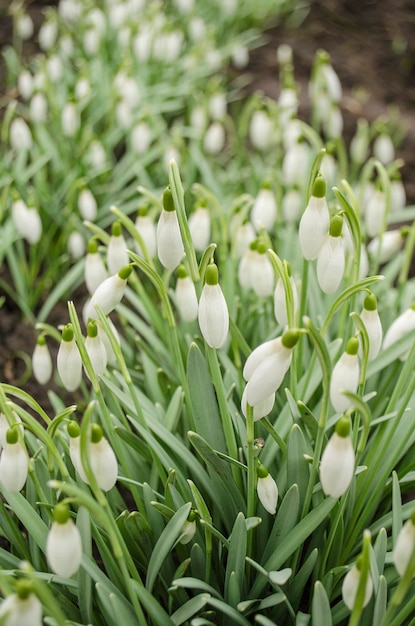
(274, 434)
(364, 573)
(408, 257)
(227, 424)
(250, 435)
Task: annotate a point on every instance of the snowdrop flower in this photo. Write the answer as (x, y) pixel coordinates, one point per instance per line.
(102, 459)
(185, 296)
(63, 543)
(87, 205)
(69, 360)
(242, 236)
(245, 267)
(291, 205)
(280, 301)
(370, 318)
(146, 228)
(5, 425)
(334, 88)
(14, 462)
(264, 211)
(215, 137)
(95, 348)
(24, 26)
(296, 163)
(94, 269)
(331, 257)
(109, 293)
(314, 223)
(141, 137)
(54, 68)
(359, 144)
(170, 248)
(20, 135)
(117, 256)
(27, 221)
(48, 34)
(42, 361)
(260, 130)
(262, 272)
(387, 245)
(25, 84)
(375, 213)
(350, 586)
(383, 148)
(266, 367)
(284, 54)
(217, 106)
(199, 227)
(76, 245)
(261, 409)
(345, 377)
(213, 312)
(404, 546)
(337, 461)
(401, 326)
(70, 119)
(83, 90)
(267, 489)
(38, 108)
(398, 194)
(21, 608)
(240, 56)
(188, 530)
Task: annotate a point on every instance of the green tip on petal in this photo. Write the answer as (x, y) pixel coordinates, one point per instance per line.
(343, 427)
(370, 303)
(319, 187)
(67, 333)
(288, 268)
(92, 247)
(142, 211)
(92, 328)
(125, 272)
(23, 588)
(12, 435)
(266, 184)
(116, 229)
(182, 272)
(41, 340)
(352, 346)
(212, 274)
(192, 516)
(336, 225)
(359, 562)
(290, 338)
(261, 247)
(96, 433)
(261, 471)
(412, 518)
(168, 203)
(254, 244)
(61, 513)
(73, 429)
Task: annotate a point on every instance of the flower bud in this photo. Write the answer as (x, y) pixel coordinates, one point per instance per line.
(170, 248)
(260, 130)
(314, 223)
(280, 302)
(400, 327)
(21, 608)
(27, 221)
(42, 361)
(331, 257)
(386, 246)
(109, 293)
(215, 138)
(337, 461)
(345, 377)
(96, 349)
(69, 362)
(371, 320)
(63, 544)
(267, 490)
(213, 314)
(351, 584)
(404, 546)
(94, 269)
(188, 529)
(87, 205)
(185, 295)
(264, 211)
(199, 227)
(20, 135)
(147, 230)
(117, 256)
(14, 463)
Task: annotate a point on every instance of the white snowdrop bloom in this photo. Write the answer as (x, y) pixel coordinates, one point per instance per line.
(83, 90)
(27, 221)
(109, 293)
(198, 120)
(383, 149)
(63, 544)
(280, 301)
(291, 134)
(197, 28)
(102, 459)
(66, 46)
(333, 123)
(350, 585)
(96, 349)
(20, 135)
(94, 269)
(213, 60)
(111, 358)
(245, 266)
(398, 194)
(96, 155)
(91, 41)
(141, 137)
(14, 463)
(364, 262)
(266, 367)
(262, 272)
(42, 361)
(295, 164)
(404, 546)
(291, 205)
(261, 409)
(242, 238)
(240, 56)
(187, 532)
(47, 36)
(87, 205)
(54, 68)
(213, 314)
(185, 296)
(264, 210)
(146, 228)
(359, 144)
(261, 129)
(184, 6)
(76, 245)
(401, 326)
(331, 257)
(217, 106)
(338, 461)
(214, 139)
(24, 26)
(25, 84)
(70, 119)
(38, 108)
(284, 54)
(170, 248)
(329, 169)
(288, 104)
(142, 45)
(267, 490)
(69, 362)
(374, 214)
(5, 425)
(345, 377)
(21, 608)
(117, 256)
(370, 318)
(386, 246)
(315, 221)
(174, 43)
(70, 10)
(332, 81)
(199, 227)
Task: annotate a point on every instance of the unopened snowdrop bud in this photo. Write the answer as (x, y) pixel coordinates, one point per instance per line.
(25, 84)
(370, 318)
(102, 459)
(245, 267)
(14, 462)
(337, 461)
(94, 269)
(69, 360)
(170, 248)
(261, 409)
(38, 108)
(63, 544)
(267, 365)
(109, 293)
(146, 228)
(76, 245)
(260, 130)
(213, 312)
(264, 211)
(383, 148)
(315, 221)
(199, 227)
(267, 489)
(42, 361)
(24, 26)
(214, 139)
(295, 163)
(217, 106)
(141, 137)
(280, 301)
(359, 144)
(21, 608)
(27, 221)
(74, 433)
(262, 272)
(404, 546)
(117, 256)
(351, 584)
(95, 348)
(20, 135)
(185, 295)
(386, 246)
(291, 205)
(70, 119)
(345, 377)
(374, 214)
(398, 194)
(240, 56)
(404, 323)
(87, 205)
(242, 237)
(48, 33)
(188, 530)
(331, 257)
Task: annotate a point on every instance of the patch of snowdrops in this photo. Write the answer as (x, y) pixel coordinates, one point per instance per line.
(231, 439)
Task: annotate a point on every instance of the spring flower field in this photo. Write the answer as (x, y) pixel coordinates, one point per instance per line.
(229, 432)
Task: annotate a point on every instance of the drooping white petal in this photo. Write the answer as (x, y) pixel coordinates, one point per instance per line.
(214, 139)
(213, 316)
(260, 410)
(385, 246)
(20, 135)
(15, 611)
(107, 295)
(147, 230)
(264, 211)
(69, 364)
(268, 376)
(97, 353)
(373, 326)
(374, 214)
(42, 363)
(188, 531)
(103, 464)
(400, 327)
(314, 226)
(344, 377)
(64, 548)
(268, 493)
(169, 240)
(199, 227)
(87, 205)
(260, 130)
(337, 466)
(350, 586)
(280, 302)
(260, 353)
(27, 221)
(383, 149)
(186, 299)
(94, 271)
(14, 467)
(117, 256)
(262, 275)
(404, 547)
(330, 264)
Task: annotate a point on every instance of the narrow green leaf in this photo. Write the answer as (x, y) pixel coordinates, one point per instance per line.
(84, 586)
(298, 471)
(381, 599)
(151, 605)
(285, 520)
(320, 609)
(190, 608)
(380, 548)
(396, 507)
(236, 556)
(298, 585)
(229, 611)
(194, 583)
